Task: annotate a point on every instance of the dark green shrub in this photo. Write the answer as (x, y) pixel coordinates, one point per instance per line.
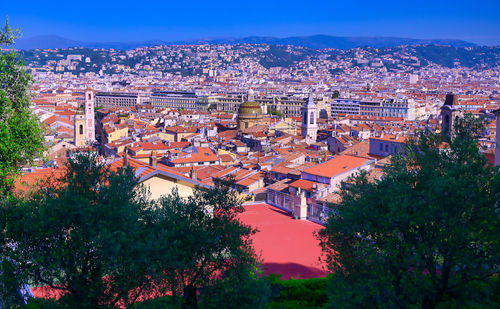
(42, 303)
(157, 303)
(298, 293)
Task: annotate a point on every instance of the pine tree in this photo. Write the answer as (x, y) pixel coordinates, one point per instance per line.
(426, 233)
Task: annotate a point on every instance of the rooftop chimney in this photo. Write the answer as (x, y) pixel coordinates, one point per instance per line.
(193, 174)
(153, 158)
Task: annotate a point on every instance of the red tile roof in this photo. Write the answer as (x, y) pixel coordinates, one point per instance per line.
(203, 155)
(336, 166)
(305, 185)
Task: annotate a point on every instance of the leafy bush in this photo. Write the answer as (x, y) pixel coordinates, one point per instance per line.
(298, 293)
(41, 303)
(157, 303)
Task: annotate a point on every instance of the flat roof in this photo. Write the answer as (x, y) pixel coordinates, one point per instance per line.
(287, 246)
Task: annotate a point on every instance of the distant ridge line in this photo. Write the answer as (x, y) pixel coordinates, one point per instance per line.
(313, 41)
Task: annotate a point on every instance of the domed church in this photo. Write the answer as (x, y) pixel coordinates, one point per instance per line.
(249, 113)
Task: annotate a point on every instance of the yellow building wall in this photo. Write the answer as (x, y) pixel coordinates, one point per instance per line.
(256, 185)
(284, 126)
(180, 136)
(161, 185)
(223, 151)
(166, 136)
(116, 135)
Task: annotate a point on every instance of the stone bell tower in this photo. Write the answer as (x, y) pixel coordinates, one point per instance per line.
(79, 127)
(89, 117)
(309, 121)
(449, 114)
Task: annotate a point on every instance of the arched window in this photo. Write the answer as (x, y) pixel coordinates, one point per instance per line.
(311, 118)
(81, 129)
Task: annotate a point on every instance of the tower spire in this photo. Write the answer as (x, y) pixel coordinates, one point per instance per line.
(310, 101)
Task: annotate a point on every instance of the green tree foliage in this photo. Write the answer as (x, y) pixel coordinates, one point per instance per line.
(21, 140)
(82, 233)
(426, 233)
(201, 250)
(7, 34)
(274, 112)
(93, 234)
(241, 284)
(21, 137)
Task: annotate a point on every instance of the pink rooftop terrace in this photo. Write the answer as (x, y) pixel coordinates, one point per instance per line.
(288, 246)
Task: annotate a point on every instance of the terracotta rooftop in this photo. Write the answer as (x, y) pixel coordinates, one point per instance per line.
(337, 165)
(306, 185)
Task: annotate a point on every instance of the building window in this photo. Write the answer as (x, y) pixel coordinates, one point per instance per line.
(81, 129)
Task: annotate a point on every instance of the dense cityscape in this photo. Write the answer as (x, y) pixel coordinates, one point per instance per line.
(225, 174)
(143, 105)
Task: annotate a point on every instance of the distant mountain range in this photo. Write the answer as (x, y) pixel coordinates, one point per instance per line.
(314, 41)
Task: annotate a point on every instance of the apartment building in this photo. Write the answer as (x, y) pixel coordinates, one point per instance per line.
(398, 107)
(288, 106)
(371, 108)
(179, 100)
(119, 99)
(344, 107)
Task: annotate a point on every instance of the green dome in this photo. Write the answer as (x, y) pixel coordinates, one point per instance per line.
(250, 108)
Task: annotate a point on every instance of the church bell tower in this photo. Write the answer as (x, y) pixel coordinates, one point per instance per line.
(449, 114)
(89, 116)
(309, 121)
(79, 126)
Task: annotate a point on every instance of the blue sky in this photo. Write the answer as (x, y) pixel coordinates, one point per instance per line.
(476, 21)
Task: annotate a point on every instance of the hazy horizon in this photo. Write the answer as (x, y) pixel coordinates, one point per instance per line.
(221, 37)
(125, 21)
